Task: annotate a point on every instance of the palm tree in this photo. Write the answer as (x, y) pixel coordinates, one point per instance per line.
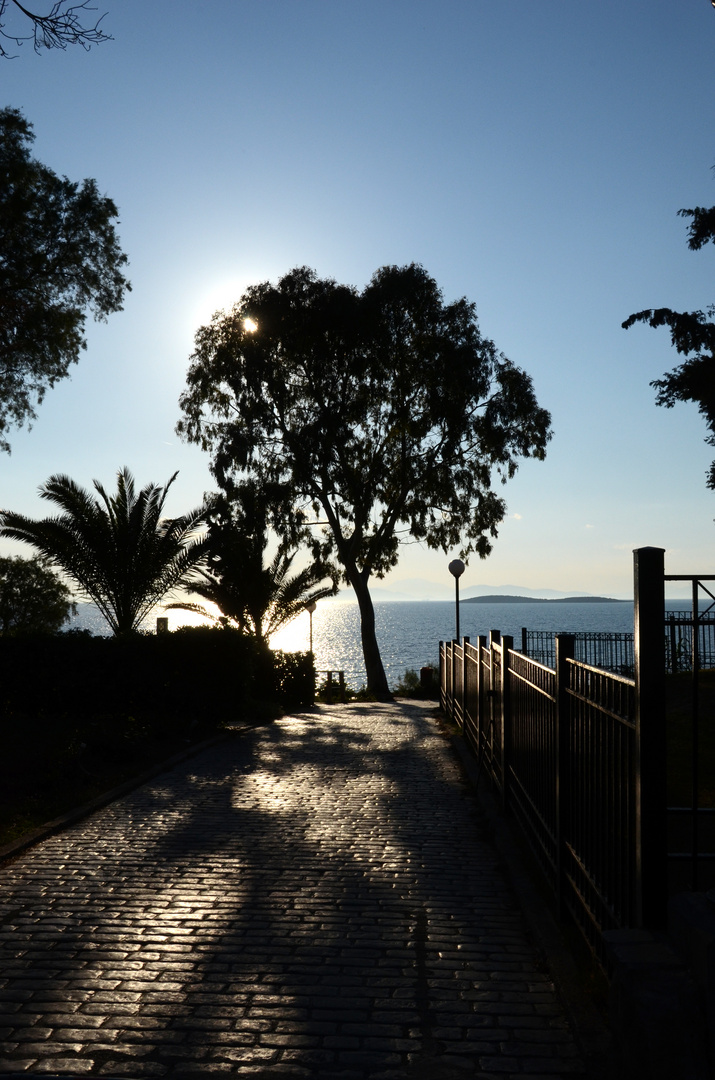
(261, 602)
(257, 599)
(119, 551)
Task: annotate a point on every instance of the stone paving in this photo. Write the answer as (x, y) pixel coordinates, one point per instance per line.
(313, 898)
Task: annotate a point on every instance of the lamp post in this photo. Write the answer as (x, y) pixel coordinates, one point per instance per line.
(456, 569)
(310, 608)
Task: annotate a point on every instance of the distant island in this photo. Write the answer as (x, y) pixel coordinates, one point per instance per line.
(501, 599)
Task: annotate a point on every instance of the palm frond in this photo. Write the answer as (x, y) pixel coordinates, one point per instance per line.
(117, 549)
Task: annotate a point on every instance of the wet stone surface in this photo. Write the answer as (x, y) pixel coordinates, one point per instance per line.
(314, 898)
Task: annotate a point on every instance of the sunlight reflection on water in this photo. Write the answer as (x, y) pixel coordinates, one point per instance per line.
(409, 632)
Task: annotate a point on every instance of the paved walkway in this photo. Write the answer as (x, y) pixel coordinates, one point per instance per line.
(314, 898)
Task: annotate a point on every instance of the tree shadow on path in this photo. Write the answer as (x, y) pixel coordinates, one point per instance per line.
(314, 898)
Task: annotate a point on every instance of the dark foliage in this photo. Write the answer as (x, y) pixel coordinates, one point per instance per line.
(118, 549)
(384, 414)
(692, 333)
(33, 599)
(250, 594)
(197, 674)
(59, 258)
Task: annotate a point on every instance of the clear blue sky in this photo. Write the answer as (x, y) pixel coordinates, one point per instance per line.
(532, 157)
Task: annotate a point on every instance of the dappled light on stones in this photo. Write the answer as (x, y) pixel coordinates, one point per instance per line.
(316, 897)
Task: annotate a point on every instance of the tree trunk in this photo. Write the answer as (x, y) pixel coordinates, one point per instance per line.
(376, 678)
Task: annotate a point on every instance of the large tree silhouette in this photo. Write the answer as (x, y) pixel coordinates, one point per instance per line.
(384, 413)
(59, 258)
(693, 335)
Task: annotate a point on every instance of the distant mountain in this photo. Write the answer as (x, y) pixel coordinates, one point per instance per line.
(518, 590)
(496, 598)
(423, 589)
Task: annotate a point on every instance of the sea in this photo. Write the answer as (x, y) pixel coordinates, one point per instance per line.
(409, 632)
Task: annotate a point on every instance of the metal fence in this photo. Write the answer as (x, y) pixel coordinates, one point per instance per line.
(609, 651)
(680, 639)
(615, 651)
(558, 746)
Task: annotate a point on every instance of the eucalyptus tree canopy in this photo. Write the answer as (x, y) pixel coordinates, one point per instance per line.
(382, 414)
(693, 335)
(59, 258)
(56, 25)
(256, 596)
(118, 550)
(33, 599)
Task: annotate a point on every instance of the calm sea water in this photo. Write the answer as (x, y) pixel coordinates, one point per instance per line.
(409, 632)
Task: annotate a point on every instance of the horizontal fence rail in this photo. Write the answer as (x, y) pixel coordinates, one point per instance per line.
(608, 651)
(615, 651)
(558, 746)
(576, 750)
(599, 832)
(679, 639)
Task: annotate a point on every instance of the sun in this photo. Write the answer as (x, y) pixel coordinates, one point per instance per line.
(218, 295)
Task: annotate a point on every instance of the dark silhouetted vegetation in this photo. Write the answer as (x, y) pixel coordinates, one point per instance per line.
(692, 334)
(254, 597)
(411, 684)
(33, 599)
(59, 258)
(80, 714)
(119, 551)
(370, 418)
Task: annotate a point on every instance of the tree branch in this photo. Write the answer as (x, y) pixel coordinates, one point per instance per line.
(60, 27)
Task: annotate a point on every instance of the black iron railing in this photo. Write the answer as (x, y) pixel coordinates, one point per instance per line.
(691, 647)
(577, 754)
(684, 640)
(609, 651)
(558, 745)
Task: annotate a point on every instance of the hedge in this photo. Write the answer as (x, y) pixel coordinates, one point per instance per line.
(206, 674)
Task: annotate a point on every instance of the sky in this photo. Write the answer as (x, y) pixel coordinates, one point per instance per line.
(532, 157)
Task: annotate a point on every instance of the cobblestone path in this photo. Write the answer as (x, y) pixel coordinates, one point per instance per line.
(313, 898)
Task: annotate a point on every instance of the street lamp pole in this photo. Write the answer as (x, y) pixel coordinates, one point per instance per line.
(310, 608)
(456, 569)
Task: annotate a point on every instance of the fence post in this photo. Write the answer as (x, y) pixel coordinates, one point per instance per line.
(496, 746)
(465, 642)
(482, 726)
(565, 645)
(507, 644)
(442, 685)
(651, 815)
(453, 715)
(673, 646)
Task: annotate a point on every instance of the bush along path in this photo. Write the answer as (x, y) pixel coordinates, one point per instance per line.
(316, 898)
(81, 714)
